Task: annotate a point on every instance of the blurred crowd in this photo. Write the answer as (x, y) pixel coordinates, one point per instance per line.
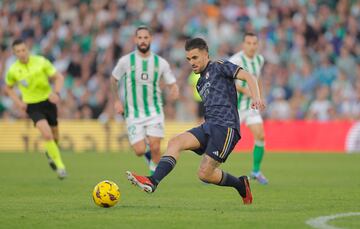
(311, 49)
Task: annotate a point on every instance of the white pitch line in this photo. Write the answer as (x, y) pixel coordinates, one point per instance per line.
(321, 222)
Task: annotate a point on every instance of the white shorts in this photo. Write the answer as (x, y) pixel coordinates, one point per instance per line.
(250, 117)
(139, 129)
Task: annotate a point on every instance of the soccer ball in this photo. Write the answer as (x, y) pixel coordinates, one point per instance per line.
(106, 194)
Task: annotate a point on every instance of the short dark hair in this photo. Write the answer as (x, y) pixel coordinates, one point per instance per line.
(196, 43)
(142, 27)
(250, 34)
(17, 42)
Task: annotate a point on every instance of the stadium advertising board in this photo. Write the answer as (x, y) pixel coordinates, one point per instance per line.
(93, 136)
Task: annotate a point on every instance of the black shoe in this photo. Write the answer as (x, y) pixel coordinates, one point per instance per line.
(51, 162)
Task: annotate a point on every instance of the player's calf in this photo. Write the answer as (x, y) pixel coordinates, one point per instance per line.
(51, 162)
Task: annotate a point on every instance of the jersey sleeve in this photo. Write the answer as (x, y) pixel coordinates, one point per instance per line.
(48, 67)
(235, 59)
(10, 79)
(261, 60)
(120, 69)
(168, 75)
(228, 69)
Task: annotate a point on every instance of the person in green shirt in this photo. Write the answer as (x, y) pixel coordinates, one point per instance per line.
(31, 75)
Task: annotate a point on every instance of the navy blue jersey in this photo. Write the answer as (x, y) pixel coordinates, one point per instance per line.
(216, 87)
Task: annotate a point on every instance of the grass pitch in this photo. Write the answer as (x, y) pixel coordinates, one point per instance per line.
(302, 186)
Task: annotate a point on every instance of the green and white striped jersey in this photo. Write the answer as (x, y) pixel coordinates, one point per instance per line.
(253, 66)
(141, 77)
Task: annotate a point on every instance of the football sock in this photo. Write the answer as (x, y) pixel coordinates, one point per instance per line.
(166, 164)
(147, 155)
(258, 154)
(152, 167)
(54, 153)
(231, 181)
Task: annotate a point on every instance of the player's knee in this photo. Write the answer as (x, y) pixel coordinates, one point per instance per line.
(139, 151)
(204, 174)
(260, 136)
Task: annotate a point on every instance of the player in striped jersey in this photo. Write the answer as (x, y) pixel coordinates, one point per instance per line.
(253, 63)
(140, 73)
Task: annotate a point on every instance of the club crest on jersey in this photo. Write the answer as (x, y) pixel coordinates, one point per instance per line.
(144, 76)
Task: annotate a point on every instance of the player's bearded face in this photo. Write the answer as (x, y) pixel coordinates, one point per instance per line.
(143, 40)
(198, 59)
(142, 47)
(21, 52)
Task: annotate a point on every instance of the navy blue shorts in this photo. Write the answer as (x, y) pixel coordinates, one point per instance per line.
(216, 141)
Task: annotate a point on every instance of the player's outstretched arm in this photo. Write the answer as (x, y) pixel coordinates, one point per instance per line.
(243, 90)
(119, 109)
(259, 81)
(9, 90)
(59, 83)
(174, 91)
(251, 80)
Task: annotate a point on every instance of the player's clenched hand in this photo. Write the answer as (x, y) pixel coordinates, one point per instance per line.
(54, 98)
(119, 109)
(258, 104)
(22, 106)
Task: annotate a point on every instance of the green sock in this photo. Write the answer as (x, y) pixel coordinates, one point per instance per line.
(152, 167)
(258, 155)
(54, 153)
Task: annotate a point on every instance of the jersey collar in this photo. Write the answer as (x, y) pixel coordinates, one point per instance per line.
(210, 62)
(144, 58)
(242, 53)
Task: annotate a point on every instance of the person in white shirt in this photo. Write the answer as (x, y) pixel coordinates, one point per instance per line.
(140, 73)
(253, 62)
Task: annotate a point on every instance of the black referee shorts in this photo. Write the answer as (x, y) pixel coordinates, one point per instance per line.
(43, 110)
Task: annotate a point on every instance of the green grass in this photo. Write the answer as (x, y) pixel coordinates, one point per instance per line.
(302, 186)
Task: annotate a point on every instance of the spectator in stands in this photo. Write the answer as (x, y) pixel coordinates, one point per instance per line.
(306, 41)
(321, 108)
(279, 109)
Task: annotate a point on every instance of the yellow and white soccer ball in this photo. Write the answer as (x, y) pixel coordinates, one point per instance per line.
(106, 194)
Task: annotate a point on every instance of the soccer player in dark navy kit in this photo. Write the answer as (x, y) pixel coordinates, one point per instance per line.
(218, 135)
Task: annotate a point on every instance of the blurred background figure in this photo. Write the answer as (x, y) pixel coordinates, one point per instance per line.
(306, 44)
(199, 105)
(140, 73)
(252, 61)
